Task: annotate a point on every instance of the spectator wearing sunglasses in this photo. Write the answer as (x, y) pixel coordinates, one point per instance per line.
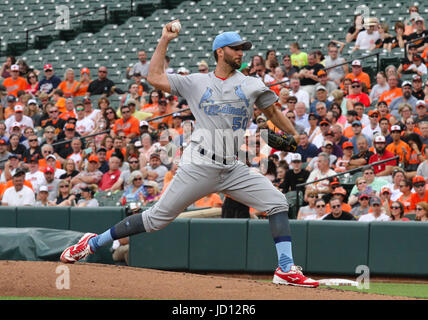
(363, 207)
(420, 194)
(337, 212)
(376, 213)
(319, 209)
(396, 211)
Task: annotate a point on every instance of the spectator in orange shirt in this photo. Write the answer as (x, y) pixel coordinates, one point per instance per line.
(421, 193)
(84, 81)
(161, 112)
(69, 111)
(357, 73)
(398, 147)
(15, 83)
(393, 92)
(128, 124)
(406, 190)
(69, 86)
(212, 200)
(119, 143)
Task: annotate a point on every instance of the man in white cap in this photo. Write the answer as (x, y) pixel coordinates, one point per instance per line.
(18, 195)
(19, 118)
(295, 176)
(421, 112)
(407, 97)
(366, 39)
(358, 73)
(15, 83)
(384, 169)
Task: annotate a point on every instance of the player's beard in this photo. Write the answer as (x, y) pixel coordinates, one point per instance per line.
(233, 63)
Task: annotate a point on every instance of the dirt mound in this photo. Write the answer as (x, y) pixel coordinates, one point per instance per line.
(87, 280)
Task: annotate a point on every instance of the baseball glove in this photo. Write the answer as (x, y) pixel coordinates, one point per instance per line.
(282, 142)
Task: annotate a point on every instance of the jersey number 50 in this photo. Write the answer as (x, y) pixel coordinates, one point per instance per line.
(239, 123)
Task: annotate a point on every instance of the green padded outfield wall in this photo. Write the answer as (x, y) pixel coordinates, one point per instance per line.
(7, 217)
(166, 249)
(337, 246)
(398, 248)
(215, 246)
(49, 217)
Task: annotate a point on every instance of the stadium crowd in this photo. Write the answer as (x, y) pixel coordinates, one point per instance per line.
(63, 140)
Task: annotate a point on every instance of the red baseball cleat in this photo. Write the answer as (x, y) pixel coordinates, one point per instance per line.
(78, 251)
(294, 277)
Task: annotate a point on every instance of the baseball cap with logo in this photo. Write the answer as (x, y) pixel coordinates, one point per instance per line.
(48, 169)
(340, 190)
(85, 70)
(18, 108)
(421, 103)
(385, 189)
(416, 77)
(14, 67)
(16, 125)
(356, 63)
(3, 142)
(372, 112)
(230, 39)
(375, 200)
(418, 179)
(296, 157)
(93, 158)
(143, 123)
(395, 128)
(70, 126)
(326, 143)
(47, 67)
(321, 73)
(32, 101)
(406, 83)
(355, 80)
(347, 144)
(379, 138)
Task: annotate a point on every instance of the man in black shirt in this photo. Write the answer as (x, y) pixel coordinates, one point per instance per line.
(308, 74)
(102, 85)
(363, 156)
(336, 211)
(417, 90)
(295, 176)
(420, 34)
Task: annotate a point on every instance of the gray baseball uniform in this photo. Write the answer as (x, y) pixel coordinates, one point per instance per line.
(222, 109)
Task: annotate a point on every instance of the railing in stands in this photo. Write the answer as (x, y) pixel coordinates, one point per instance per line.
(103, 7)
(300, 186)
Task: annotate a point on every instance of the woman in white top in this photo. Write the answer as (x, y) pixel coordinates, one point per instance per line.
(319, 210)
(308, 210)
(380, 86)
(314, 129)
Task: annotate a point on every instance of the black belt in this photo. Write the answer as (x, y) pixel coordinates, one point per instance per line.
(217, 159)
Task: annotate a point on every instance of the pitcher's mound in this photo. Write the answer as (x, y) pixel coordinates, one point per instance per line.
(89, 280)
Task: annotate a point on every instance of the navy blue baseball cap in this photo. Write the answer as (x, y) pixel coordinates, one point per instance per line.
(231, 39)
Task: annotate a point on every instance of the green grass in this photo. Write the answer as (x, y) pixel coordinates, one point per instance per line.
(391, 289)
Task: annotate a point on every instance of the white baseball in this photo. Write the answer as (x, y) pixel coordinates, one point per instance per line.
(176, 27)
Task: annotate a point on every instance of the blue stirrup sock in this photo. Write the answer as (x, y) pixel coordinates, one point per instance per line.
(280, 228)
(127, 227)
